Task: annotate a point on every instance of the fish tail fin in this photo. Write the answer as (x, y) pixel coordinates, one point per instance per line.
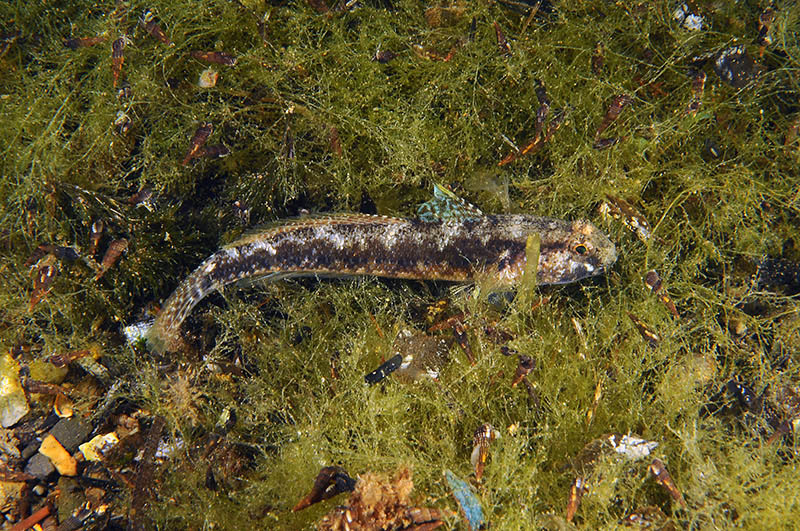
(164, 335)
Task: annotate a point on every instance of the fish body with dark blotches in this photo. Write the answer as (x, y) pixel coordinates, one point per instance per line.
(452, 248)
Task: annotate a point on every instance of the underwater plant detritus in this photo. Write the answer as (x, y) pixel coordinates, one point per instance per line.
(452, 240)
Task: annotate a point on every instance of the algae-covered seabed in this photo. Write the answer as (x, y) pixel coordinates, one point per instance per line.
(313, 122)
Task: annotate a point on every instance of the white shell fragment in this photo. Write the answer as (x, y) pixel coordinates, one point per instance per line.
(633, 448)
(687, 19)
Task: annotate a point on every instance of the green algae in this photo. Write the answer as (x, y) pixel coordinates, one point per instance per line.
(719, 189)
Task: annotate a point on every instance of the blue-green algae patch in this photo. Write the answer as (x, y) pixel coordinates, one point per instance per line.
(314, 123)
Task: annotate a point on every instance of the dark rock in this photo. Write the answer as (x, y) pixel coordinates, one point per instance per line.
(31, 448)
(71, 432)
(70, 497)
(735, 66)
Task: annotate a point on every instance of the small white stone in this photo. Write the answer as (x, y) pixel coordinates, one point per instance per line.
(98, 447)
(13, 404)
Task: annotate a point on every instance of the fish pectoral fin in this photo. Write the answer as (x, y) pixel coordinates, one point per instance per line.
(446, 205)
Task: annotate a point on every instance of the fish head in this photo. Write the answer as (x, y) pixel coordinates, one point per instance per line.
(581, 250)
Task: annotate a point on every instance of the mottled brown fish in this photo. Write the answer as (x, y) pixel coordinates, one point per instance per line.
(452, 240)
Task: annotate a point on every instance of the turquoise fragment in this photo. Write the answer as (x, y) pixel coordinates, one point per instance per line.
(470, 505)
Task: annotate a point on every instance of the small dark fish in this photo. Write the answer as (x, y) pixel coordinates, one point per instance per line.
(485, 434)
(502, 43)
(122, 123)
(330, 481)
(791, 132)
(434, 55)
(646, 332)
(460, 333)
(216, 151)
(287, 147)
(62, 360)
(118, 58)
(779, 273)
(618, 208)
(598, 59)
(384, 56)
(653, 281)
(42, 281)
(605, 143)
(422, 355)
(617, 104)
(198, 141)
(542, 112)
(753, 404)
(650, 517)
(505, 350)
(35, 386)
(262, 24)
(58, 251)
(764, 39)
(451, 240)
(83, 42)
(698, 85)
(538, 140)
(320, 6)
(529, 7)
(664, 479)
(220, 58)
(526, 365)
(149, 23)
(114, 251)
(541, 92)
(125, 92)
(145, 468)
(473, 30)
(242, 212)
(142, 196)
(336, 145)
(576, 492)
(424, 518)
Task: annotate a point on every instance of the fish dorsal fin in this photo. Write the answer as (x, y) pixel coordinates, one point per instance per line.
(312, 220)
(446, 205)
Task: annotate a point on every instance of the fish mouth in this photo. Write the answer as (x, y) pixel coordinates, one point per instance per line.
(580, 271)
(608, 258)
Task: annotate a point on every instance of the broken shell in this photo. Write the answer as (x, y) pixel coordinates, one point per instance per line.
(208, 78)
(485, 434)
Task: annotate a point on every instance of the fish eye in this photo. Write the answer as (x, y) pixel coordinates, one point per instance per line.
(581, 249)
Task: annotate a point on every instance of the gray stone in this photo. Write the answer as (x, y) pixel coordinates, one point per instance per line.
(39, 466)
